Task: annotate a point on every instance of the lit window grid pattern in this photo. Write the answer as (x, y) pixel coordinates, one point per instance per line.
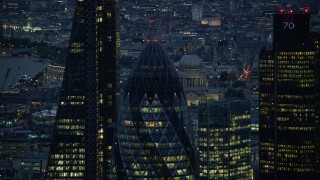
(67, 158)
(154, 111)
(107, 110)
(160, 148)
(295, 108)
(67, 154)
(28, 165)
(224, 141)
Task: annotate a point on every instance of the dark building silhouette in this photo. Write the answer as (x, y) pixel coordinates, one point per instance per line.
(154, 133)
(83, 134)
(289, 100)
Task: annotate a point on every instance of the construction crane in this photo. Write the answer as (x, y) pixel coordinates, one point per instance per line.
(5, 79)
(3, 105)
(2, 101)
(15, 76)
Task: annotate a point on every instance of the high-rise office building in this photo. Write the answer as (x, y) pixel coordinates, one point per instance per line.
(225, 140)
(83, 134)
(289, 100)
(154, 134)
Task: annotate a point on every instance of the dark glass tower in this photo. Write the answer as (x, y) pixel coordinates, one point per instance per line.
(289, 101)
(154, 133)
(83, 135)
(224, 140)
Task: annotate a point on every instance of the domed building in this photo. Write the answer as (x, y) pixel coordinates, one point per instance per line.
(154, 138)
(193, 77)
(191, 73)
(194, 80)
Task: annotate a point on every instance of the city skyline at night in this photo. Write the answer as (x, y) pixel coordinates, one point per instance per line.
(159, 89)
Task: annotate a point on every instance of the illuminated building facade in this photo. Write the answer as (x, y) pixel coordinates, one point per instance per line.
(224, 140)
(192, 73)
(53, 74)
(193, 78)
(83, 135)
(289, 101)
(154, 133)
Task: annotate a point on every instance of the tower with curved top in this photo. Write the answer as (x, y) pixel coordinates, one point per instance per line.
(154, 134)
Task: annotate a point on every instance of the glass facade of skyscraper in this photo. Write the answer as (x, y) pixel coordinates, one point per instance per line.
(154, 133)
(83, 135)
(289, 97)
(224, 140)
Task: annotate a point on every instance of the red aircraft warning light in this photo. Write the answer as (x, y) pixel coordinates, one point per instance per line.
(155, 40)
(291, 11)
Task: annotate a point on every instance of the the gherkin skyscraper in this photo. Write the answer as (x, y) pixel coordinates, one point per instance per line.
(82, 140)
(154, 136)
